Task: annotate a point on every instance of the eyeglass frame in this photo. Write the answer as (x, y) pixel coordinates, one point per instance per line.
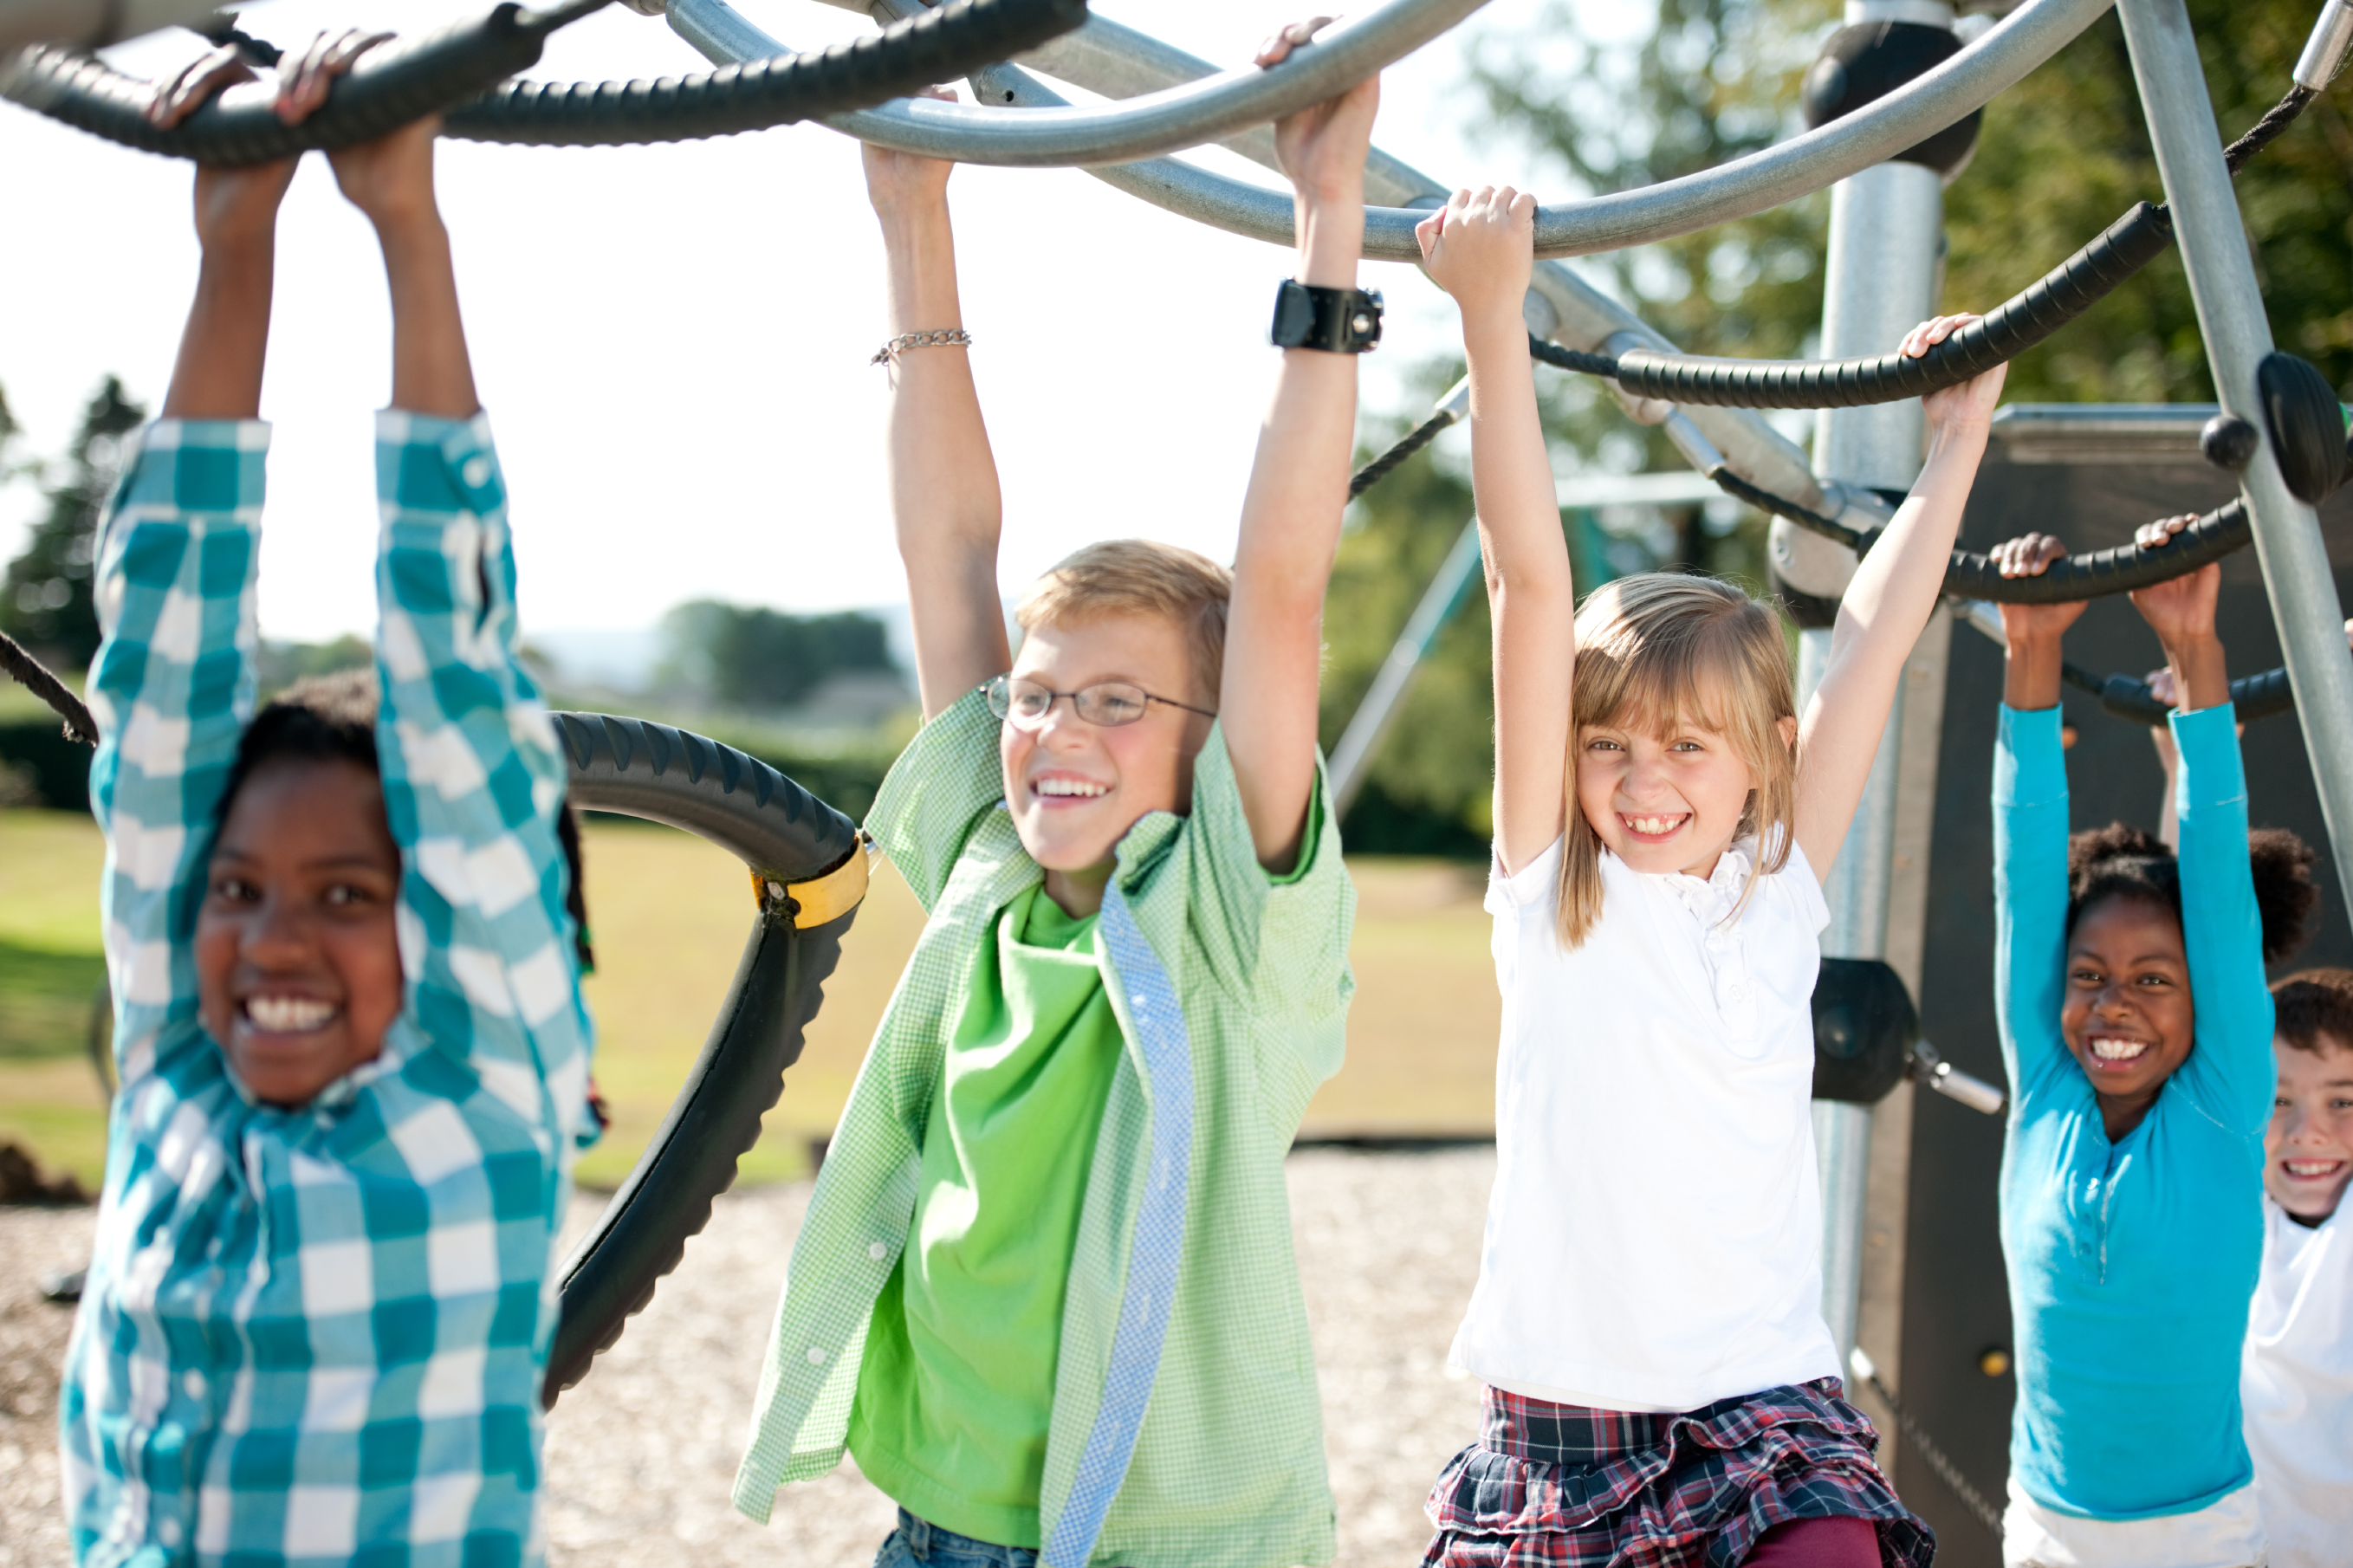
(1000, 688)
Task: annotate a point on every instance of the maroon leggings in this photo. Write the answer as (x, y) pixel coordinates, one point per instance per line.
(1841, 1543)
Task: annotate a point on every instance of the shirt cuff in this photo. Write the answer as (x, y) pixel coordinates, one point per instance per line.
(2029, 766)
(2207, 744)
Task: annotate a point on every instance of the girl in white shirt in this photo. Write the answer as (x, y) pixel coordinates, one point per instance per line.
(2296, 1377)
(1661, 1386)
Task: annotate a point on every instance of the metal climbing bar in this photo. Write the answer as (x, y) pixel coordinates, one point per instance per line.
(2237, 336)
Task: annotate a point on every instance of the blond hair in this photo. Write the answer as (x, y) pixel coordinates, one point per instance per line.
(1662, 651)
(1139, 577)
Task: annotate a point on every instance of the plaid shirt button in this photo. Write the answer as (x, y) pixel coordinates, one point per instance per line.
(815, 1356)
(877, 1252)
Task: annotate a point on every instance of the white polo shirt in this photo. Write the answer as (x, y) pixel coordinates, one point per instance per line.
(2296, 1384)
(1654, 1239)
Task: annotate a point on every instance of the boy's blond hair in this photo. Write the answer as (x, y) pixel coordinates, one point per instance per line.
(1140, 577)
(1656, 652)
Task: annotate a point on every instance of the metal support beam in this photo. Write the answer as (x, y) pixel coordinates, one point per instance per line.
(2214, 243)
(1361, 741)
(1887, 242)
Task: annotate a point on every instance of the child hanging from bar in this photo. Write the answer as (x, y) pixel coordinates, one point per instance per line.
(1660, 1385)
(352, 1052)
(1045, 1291)
(2137, 1032)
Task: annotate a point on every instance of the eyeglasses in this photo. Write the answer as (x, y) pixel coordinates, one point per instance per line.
(1023, 704)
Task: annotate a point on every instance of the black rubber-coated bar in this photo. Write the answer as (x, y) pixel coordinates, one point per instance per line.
(34, 677)
(461, 74)
(2093, 574)
(786, 835)
(2097, 574)
(388, 87)
(2263, 696)
(938, 45)
(2016, 325)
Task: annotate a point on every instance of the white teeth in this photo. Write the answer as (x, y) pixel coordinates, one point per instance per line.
(1653, 825)
(2312, 1167)
(1077, 787)
(2109, 1049)
(287, 1014)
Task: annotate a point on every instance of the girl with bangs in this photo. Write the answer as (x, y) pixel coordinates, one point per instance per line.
(1662, 1387)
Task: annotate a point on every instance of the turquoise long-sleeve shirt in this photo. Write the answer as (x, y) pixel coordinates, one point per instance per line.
(2130, 1263)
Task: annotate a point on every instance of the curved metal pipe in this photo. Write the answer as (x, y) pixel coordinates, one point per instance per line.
(1163, 121)
(1763, 180)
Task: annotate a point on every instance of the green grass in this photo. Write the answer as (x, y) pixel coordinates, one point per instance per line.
(671, 914)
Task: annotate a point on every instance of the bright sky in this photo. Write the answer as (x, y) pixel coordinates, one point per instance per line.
(672, 341)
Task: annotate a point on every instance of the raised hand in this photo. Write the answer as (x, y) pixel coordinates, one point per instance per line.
(2181, 612)
(1322, 147)
(2031, 632)
(1969, 404)
(1480, 247)
(2030, 556)
(391, 178)
(184, 91)
(303, 85)
(2160, 534)
(900, 182)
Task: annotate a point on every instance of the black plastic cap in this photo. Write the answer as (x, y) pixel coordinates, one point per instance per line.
(1859, 65)
(1864, 1024)
(2228, 442)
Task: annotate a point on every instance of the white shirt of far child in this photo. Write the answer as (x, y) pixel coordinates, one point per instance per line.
(1653, 1242)
(2296, 1386)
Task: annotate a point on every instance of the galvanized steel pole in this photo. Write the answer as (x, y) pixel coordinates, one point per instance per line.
(2237, 336)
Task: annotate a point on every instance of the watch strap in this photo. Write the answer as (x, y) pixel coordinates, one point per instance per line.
(1337, 320)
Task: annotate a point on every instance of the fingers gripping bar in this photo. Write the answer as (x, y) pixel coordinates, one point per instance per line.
(458, 72)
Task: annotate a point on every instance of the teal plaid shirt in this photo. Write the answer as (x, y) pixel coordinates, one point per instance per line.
(316, 1336)
(1186, 1430)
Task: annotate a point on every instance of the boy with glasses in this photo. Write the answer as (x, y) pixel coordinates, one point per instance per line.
(1045, 1291)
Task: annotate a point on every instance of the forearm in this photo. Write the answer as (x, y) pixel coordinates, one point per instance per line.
(431, 372)
(217, 374)
(2200, 673)
(944, 501)
(1289, 531)
(2030, 673)
(1896, 584)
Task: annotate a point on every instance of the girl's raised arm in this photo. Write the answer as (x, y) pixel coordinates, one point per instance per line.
(1886, 605)
(1480, 249)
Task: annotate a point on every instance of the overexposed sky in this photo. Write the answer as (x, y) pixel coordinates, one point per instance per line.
(672, 341)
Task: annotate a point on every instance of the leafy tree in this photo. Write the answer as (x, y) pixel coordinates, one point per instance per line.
(2067, 150)
(45, 599)
(752, 658)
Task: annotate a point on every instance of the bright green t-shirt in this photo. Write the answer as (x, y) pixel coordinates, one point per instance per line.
(957, 1385)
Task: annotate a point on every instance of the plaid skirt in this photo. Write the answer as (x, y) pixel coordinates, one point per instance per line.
(1560, 1486)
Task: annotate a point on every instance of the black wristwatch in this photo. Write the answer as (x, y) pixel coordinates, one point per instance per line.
(1339, 320)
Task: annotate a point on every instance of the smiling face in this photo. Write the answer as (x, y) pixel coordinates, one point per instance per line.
(1075, 788)
(1665, 801)
(2127, 1015)
(297, 968)
(2309, 1147)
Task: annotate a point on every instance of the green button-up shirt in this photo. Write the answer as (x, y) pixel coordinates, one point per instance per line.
(1186, 1426)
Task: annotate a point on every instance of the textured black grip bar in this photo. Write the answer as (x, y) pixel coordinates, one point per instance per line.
(2255, 697)
(389, 86)
(938, 45)
(2095, 575)
(779, 829)
(2014, 327)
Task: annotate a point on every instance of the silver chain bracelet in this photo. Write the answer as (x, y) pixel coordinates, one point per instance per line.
(950, 337)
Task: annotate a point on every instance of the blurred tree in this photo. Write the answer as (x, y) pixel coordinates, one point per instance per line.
(45, 599)
(748, 656)
(2065, 151)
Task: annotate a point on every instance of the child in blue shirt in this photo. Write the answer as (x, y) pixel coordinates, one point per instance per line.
(352, 1052)
(2136, 1029)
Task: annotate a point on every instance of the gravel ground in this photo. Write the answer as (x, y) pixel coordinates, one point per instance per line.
(641, 1454)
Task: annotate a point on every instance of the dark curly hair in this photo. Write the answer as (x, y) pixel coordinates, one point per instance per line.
(2314, 1004)
(2120, 861)
(332, 719)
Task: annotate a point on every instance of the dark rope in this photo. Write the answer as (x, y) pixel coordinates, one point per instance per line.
(2265, 131)
(1379, 468)
(34, 676)
(1950, 1473)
